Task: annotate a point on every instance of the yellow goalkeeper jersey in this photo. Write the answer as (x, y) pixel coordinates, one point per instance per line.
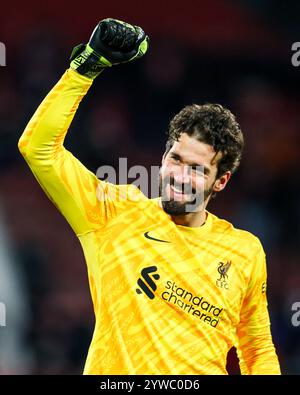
(168, 299)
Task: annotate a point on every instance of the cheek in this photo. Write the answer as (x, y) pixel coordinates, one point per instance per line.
(199, 182)
(163, 171)
(166, 169)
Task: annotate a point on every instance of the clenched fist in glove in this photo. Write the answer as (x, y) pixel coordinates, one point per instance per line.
(112, 42)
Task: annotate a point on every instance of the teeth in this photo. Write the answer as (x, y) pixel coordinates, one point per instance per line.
(176, 190)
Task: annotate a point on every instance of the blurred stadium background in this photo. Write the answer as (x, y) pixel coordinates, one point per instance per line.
(237, 53)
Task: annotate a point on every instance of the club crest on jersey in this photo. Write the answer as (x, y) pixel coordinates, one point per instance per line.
(223, 270)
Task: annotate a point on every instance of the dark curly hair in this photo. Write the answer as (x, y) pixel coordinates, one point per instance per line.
(214, 125)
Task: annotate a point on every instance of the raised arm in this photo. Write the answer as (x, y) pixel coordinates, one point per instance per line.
(70, 186)
(76, 192)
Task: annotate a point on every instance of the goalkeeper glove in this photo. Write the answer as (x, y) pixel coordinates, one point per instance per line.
(112, 42)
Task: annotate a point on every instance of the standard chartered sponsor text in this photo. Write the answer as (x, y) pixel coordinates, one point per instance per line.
(194, 305)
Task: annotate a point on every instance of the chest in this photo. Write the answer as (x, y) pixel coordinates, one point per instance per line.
(205, 275)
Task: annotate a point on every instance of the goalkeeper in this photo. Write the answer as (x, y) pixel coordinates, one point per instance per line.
(173, 286)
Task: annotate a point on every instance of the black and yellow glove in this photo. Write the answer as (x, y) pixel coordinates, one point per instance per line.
(112, 42)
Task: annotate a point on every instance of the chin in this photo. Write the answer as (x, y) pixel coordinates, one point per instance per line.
(175, 208)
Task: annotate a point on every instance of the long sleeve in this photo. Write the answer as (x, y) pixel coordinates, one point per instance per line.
(70, 186)
(255, 347)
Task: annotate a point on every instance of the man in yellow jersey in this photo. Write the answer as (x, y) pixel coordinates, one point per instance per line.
(174, 287)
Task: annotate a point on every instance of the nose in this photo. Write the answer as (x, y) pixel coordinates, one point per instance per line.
(182, 175)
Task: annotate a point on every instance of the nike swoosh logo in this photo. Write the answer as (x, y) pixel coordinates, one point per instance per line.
(153, 238)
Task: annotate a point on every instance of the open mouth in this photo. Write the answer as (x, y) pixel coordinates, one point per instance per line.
(178, 193)
(177, 190)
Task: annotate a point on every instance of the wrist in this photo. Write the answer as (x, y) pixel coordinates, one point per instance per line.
(77, 77)
(87, 62)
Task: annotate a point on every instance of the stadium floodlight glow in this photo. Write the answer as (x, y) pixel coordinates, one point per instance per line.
(2, 314)
(2, 54)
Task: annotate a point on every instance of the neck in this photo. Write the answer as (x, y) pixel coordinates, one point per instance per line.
(191, 220)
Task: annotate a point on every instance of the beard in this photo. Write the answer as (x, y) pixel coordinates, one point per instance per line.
(193, 199)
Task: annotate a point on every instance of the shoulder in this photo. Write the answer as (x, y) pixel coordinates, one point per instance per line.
(242, 237)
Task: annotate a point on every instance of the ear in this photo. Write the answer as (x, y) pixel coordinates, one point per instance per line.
(221, 182)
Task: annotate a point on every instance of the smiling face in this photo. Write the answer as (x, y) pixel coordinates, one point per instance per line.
(188, 176)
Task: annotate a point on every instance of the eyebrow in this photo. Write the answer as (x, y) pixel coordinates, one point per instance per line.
(175, 155)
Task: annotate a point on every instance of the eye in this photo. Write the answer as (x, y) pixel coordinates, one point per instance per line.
(199, 170)
(175, 158)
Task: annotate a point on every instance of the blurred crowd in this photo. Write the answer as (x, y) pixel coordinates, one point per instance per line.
(50, 317)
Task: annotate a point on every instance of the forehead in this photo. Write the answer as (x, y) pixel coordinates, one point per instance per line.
(193, 151)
